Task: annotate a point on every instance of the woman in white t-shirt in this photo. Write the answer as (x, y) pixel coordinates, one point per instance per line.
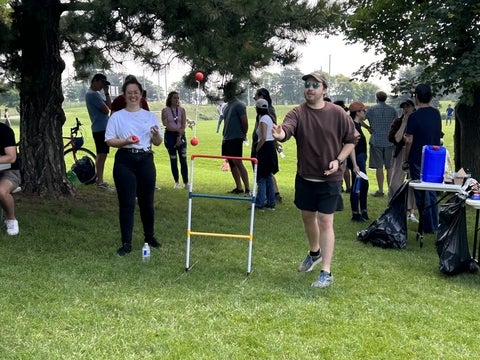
(133, 131)
(266, 156)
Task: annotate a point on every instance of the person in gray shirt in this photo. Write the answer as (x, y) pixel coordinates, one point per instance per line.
(380, 117)
(235, 130)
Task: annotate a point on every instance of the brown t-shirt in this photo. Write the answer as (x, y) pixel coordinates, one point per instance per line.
(320, 136)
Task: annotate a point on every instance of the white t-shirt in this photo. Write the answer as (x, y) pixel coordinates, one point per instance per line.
(266, 119)
(123, 124)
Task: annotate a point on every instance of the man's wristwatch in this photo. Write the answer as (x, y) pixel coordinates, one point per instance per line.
(340, 162)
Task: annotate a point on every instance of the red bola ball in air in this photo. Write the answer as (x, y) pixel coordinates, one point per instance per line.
(194, 141)
(199, 76)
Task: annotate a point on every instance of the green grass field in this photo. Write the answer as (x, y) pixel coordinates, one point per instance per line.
(67, 295)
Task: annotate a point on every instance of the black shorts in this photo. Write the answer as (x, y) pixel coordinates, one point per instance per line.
(324, 197)
(233, 147)
(100, 144)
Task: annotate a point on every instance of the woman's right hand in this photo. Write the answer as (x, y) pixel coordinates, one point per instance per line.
(133, 139)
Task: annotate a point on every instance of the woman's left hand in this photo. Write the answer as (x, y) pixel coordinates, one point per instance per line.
(154, 130)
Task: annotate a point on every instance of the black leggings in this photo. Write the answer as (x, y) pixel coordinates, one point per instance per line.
(135, 176)
(175, 152)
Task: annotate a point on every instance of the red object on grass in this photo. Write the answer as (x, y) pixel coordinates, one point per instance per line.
(199, 76)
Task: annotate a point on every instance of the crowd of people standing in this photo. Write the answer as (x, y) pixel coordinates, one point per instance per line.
(330, 141)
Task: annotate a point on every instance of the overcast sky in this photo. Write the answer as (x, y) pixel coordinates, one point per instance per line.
(330, 55)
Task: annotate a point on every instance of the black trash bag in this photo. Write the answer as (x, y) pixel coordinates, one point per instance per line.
(84, 168)
(389, 230)
(452, 241)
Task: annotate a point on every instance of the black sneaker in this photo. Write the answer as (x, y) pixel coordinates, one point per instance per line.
(365, 215)
(153, 243)
(358, 218)
(125, 249)
(236, 191)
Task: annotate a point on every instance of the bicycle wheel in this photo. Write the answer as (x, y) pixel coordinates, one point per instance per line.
(71, 157)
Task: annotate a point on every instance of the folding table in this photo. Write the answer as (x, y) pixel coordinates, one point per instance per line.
(476, 205)
(429, 186)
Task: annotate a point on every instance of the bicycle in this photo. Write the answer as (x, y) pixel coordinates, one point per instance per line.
(73, 148)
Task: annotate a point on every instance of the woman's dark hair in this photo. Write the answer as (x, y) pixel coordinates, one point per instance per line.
(170, 95)
(129, 82)
(265, 95)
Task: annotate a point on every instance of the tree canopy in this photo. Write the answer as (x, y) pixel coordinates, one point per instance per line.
(439, 36)
(230, 39)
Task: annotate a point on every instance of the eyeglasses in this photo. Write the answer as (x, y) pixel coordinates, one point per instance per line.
(315, 85)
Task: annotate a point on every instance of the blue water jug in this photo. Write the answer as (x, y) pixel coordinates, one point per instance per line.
(433, 163)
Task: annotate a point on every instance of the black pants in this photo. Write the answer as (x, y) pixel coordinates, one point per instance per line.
(135, 176)
(177, 152)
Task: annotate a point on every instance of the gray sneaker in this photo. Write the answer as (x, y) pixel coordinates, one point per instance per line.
(309, 263)
(323, 280)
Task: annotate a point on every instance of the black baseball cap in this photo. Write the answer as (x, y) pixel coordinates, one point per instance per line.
(100, 77)
(407, 102)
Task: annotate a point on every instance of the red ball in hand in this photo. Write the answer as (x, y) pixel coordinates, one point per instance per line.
(199, 76)
(135, 138)
(194, 141)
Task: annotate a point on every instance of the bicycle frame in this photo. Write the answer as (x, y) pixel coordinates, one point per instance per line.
(71, 139)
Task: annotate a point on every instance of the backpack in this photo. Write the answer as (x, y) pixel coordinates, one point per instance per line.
(84, 168)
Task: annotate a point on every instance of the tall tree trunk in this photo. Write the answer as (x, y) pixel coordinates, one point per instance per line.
(41, 98)
(467, 135)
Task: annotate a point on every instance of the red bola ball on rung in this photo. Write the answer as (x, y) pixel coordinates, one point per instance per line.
(199, 76)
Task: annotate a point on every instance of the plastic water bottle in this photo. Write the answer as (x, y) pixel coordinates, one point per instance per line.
(73, 178)
(146, 252)
(356, 185)
(280, 151)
